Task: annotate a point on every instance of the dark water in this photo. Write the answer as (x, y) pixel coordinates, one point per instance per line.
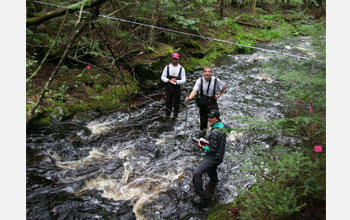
(136, 165)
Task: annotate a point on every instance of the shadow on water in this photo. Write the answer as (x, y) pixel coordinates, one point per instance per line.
(138, 165)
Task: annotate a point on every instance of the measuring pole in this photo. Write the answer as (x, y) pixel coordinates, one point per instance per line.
(186, 119)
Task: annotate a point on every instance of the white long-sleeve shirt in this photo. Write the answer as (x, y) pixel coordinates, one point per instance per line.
(174, 73)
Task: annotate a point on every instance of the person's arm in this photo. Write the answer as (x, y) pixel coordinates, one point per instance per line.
(213, 144)
(191, 96)
(194, 91)
(205, 148)
(222, 91)
(164, 75)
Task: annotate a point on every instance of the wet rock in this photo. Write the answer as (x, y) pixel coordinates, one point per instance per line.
(144, 71)
(82, 117)
(197, 54)
(156, 154)
(146, 144)
(188, 44)
(77, 141)
(112, 166)
(149, 84)
(186, 188)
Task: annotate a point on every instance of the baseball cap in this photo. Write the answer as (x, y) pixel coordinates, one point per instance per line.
(175, 55)
(214, 114)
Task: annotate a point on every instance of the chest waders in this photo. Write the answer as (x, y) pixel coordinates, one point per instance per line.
(172, 93)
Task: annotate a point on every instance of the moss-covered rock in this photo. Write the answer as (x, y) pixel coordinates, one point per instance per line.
(38, 122)
(144, 72)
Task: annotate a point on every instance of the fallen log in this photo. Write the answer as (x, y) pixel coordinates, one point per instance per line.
(264, 26)
(59, 12)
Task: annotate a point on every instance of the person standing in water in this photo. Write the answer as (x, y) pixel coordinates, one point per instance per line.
(174, 76)
(207, 86)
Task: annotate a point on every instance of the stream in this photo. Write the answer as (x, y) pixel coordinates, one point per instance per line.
(136, 165)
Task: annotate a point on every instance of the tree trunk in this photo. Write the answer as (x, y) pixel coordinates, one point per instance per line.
(54, 73)
(254, 8)
(154, 20)
(305, 3)
(234, 3)
(221, 8)
(59, 12)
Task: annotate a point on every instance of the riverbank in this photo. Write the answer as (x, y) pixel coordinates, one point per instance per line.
(291, 181)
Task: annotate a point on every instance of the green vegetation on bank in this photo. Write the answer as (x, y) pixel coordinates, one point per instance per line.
(291, 182)
(139, 53)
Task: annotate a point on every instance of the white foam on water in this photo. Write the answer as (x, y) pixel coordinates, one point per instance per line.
(139, 191)
(94, 155)
(98, 128)
(161, 141)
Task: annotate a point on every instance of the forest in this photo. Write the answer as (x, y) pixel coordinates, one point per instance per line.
(104, 56)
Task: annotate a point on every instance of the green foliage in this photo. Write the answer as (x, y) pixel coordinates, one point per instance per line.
(200, 16)
(210, 14)
(58, 96)
(221, 212)
(78, 5)
(285, 29)
(307, 127)
(267, 34)
(43, 38)
(29, 33)
(228, 23)
(244, 38)
(287, 181)
(192, 63)
(273, 17)
(164, 50)
(187, 23)
(149, 49)
(217, 49)
(246, 17)
(270, 201)
(305, 79)
(299, 15)
(31, 62)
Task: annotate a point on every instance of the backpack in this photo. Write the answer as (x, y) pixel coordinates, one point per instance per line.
(201, 99)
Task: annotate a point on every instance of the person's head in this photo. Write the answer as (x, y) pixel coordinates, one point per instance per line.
(175, 58)
(213, 117)
(207, 72)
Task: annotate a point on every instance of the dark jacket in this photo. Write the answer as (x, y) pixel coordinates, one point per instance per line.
(217, 143)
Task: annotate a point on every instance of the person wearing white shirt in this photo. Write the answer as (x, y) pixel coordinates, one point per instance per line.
(207, 86)
(174, 76)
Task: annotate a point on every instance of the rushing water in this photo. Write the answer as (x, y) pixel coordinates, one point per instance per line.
(136, 165)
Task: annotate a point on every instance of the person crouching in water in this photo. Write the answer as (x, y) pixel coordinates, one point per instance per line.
(214, 155)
